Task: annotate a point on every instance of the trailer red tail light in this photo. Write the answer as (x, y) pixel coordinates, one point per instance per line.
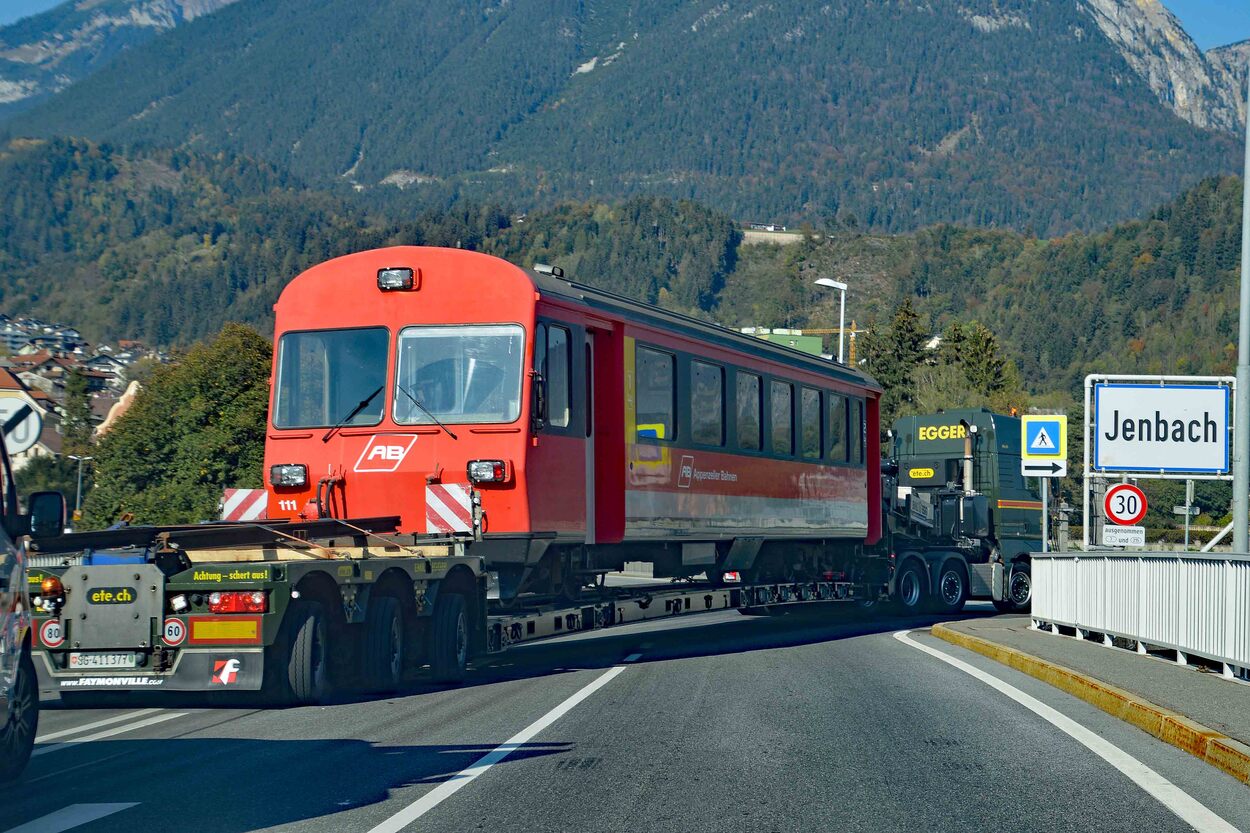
(488, 471)
(238, 601)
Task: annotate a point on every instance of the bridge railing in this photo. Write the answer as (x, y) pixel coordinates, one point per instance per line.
(1193, 603)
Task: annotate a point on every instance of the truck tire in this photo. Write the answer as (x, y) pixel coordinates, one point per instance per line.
(1020, 588)
(385, 648)
(449, 639)
(911, 593)
(17, 735)
(952, 588)
(307, 662)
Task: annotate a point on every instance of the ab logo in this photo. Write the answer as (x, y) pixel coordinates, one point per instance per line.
(384, 452)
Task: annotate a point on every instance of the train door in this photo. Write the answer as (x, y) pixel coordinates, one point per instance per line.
(589, 388)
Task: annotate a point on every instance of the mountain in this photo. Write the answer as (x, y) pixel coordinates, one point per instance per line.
(166, 246)
(45, 53)
(1046, 116)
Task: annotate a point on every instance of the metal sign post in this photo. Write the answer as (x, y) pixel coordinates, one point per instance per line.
(1044, 454)
(1241, 447)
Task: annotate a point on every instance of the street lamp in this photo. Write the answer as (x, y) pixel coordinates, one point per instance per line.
(78, 495)
(841, 287)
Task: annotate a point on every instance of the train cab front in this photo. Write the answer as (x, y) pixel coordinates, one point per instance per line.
(400, 388)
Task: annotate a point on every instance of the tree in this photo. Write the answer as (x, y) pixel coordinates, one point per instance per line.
(76, 426)
(52, 474)
(892, 355)
(197, 428)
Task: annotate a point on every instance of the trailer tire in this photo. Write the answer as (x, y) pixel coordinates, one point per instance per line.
(307, 662)
(385, 646)
(911, 592)
(449, 639)
(17, 734)
(952, 588)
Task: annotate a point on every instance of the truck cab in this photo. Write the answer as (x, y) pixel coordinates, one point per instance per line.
(960, 518)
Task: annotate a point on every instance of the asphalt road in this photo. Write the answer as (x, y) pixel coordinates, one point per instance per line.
(812, 721)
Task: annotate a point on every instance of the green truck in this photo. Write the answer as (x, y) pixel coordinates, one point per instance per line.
(960, 519)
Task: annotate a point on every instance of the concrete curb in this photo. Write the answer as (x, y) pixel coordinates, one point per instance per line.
(1215, 748)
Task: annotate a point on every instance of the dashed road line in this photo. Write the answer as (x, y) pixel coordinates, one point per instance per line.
(108, 733)
(75, 815)
(465, 777)
(87, 727)
(1185, 806)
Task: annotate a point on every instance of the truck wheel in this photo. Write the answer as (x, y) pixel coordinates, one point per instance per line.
(911, 590)
(385, 650)
(1020, 588)
(449, 639)
(17, 735)
(307, 665)
(952, 589)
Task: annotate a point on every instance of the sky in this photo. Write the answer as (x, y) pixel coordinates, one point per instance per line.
(1209, 22)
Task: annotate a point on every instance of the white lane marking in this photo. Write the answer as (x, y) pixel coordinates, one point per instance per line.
(86, 727)
(1161, 789)
(632, 658)
(108, 733)
(463, 778)
(75, 815)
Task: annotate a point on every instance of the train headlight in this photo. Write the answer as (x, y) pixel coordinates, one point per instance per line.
(488, 471)
(396, 278)
(288, 474)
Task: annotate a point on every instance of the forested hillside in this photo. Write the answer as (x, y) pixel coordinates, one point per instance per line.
(166, 246)
(985, 113)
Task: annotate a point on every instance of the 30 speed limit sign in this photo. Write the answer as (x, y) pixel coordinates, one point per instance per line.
(1125, 504)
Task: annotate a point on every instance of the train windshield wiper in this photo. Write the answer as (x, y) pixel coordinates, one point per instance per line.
(426, 411)
(360, 406)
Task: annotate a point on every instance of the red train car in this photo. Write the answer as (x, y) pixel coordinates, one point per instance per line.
(569, 430)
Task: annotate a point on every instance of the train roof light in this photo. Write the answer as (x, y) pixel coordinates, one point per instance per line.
(544, 269)
(396, 277)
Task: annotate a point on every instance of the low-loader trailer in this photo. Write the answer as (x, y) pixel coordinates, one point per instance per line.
(292, 610)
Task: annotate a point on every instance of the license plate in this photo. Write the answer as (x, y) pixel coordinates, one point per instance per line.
(80, 660)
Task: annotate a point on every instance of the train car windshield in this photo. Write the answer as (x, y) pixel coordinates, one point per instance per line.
(461, 374)
(324, 376)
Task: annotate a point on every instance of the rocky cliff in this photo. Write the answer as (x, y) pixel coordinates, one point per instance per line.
(1200, 88)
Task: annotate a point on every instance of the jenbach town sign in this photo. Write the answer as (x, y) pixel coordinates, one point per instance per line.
(1161, 428)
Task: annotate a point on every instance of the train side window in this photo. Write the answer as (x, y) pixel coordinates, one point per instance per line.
(558, 373)
(810, 414)
(783, 418)
(655, 390)
(857, 432)
(707, 403)
(750, 411)
(837, 428)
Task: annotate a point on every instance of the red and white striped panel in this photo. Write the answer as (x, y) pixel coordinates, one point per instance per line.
(243, 505)
(448, 508)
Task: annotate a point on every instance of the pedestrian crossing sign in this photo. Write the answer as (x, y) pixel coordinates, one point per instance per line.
(1044, 437)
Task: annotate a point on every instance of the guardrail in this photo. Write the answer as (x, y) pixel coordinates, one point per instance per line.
(1193, 603)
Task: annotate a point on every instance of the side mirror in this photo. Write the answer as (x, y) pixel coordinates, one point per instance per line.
(538, 401)
(47, 514)
(976, 516)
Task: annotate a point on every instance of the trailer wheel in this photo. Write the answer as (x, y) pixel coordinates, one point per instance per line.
(911, 592)
(385, 648)
(17, 735)
(449, 639)
(1020, 588)
(307, 665)
(952, 589)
